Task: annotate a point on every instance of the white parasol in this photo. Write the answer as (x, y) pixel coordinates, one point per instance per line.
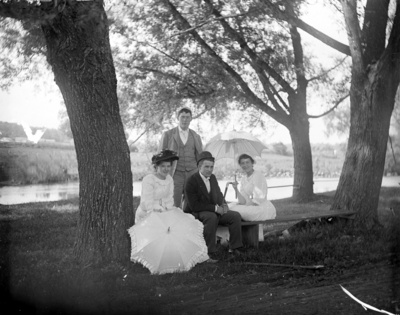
(233, 143)
(166, 242)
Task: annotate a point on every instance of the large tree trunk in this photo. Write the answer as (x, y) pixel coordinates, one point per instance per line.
(372, 101)
(303, 189)
(375, 79)
(78, 50)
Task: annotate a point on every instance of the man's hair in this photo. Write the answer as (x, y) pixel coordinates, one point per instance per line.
(184, 110)
(245, 156)
(201, 162)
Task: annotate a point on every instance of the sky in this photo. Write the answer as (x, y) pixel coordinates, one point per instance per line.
(39, 107)
(25, 103)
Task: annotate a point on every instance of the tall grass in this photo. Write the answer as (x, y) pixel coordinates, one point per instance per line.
(29, 165)
(25, 165)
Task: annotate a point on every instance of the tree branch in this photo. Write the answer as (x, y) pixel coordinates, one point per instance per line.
(391, 146)
(205, 110)
(327, 71)
(266, 85)
(374, 29)
(338, 102)
(147, 129)
(270, 90)
(392, 50)
(298, 53)
(276, 93)
(193, 91)
(329, 41)
(165, 74)
(179, 62)
(243, 85)
(201, 24)
(256, 60)
(354, 34)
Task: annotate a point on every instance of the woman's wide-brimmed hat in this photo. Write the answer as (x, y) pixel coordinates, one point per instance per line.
(164, 155)
(205, 155)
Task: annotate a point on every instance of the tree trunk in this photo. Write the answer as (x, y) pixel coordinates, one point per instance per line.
(303, 169)
(372, 101)
(78, 50)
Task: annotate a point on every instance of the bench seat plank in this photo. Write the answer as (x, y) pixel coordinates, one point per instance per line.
(299, 217)
(250, 229)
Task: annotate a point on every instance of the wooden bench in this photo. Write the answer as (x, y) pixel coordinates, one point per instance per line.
(250, 229)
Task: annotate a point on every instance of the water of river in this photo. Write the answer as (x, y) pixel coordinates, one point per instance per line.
(36, 193)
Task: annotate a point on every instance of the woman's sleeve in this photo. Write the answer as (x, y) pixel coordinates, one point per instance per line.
(169, 200)
(260, 189)
(147, 194)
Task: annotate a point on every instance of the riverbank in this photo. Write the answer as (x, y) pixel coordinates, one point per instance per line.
(26, 165)
(38, 274)
(278, 188)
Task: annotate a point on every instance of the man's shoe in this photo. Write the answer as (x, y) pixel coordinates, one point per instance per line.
(237, 251)
(211, 259)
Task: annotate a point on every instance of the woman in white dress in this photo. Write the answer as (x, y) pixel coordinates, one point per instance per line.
(157, 196)
(158, 188)
(253, 204)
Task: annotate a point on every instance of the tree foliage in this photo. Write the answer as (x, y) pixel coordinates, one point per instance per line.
(213, 55)
(246, 59)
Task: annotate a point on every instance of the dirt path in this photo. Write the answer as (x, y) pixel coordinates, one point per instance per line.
(371, 284)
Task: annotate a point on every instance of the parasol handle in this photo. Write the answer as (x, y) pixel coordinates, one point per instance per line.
(226, 189)
(235, 190)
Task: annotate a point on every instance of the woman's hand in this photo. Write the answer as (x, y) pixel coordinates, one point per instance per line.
(159, 210)
(251, 203)
(235, 185)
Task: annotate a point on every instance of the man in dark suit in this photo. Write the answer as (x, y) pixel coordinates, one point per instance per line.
(187, 144)
(206, 202)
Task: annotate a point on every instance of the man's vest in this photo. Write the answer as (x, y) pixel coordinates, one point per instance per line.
(187, 158)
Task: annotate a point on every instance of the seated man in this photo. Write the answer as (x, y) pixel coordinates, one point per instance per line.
(206, 202)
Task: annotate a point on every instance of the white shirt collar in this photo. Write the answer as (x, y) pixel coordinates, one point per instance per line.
(183, 131)
(204, 178)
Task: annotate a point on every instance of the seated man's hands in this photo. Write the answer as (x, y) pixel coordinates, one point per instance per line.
(226, 208)
(220, 210)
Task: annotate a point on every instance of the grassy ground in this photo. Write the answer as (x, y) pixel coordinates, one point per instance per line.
(39, 275)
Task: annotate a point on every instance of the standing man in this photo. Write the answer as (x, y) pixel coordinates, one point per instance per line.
(187, 144)
(206, 202)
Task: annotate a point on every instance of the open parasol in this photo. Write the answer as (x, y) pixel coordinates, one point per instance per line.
(166, 242)
(233, 143)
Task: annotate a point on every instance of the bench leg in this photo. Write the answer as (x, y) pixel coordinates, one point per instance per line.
(250, 235)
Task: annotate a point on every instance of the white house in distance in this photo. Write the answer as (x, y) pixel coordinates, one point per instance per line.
(5, 139)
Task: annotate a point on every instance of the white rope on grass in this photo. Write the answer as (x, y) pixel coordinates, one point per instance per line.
(365, 305)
